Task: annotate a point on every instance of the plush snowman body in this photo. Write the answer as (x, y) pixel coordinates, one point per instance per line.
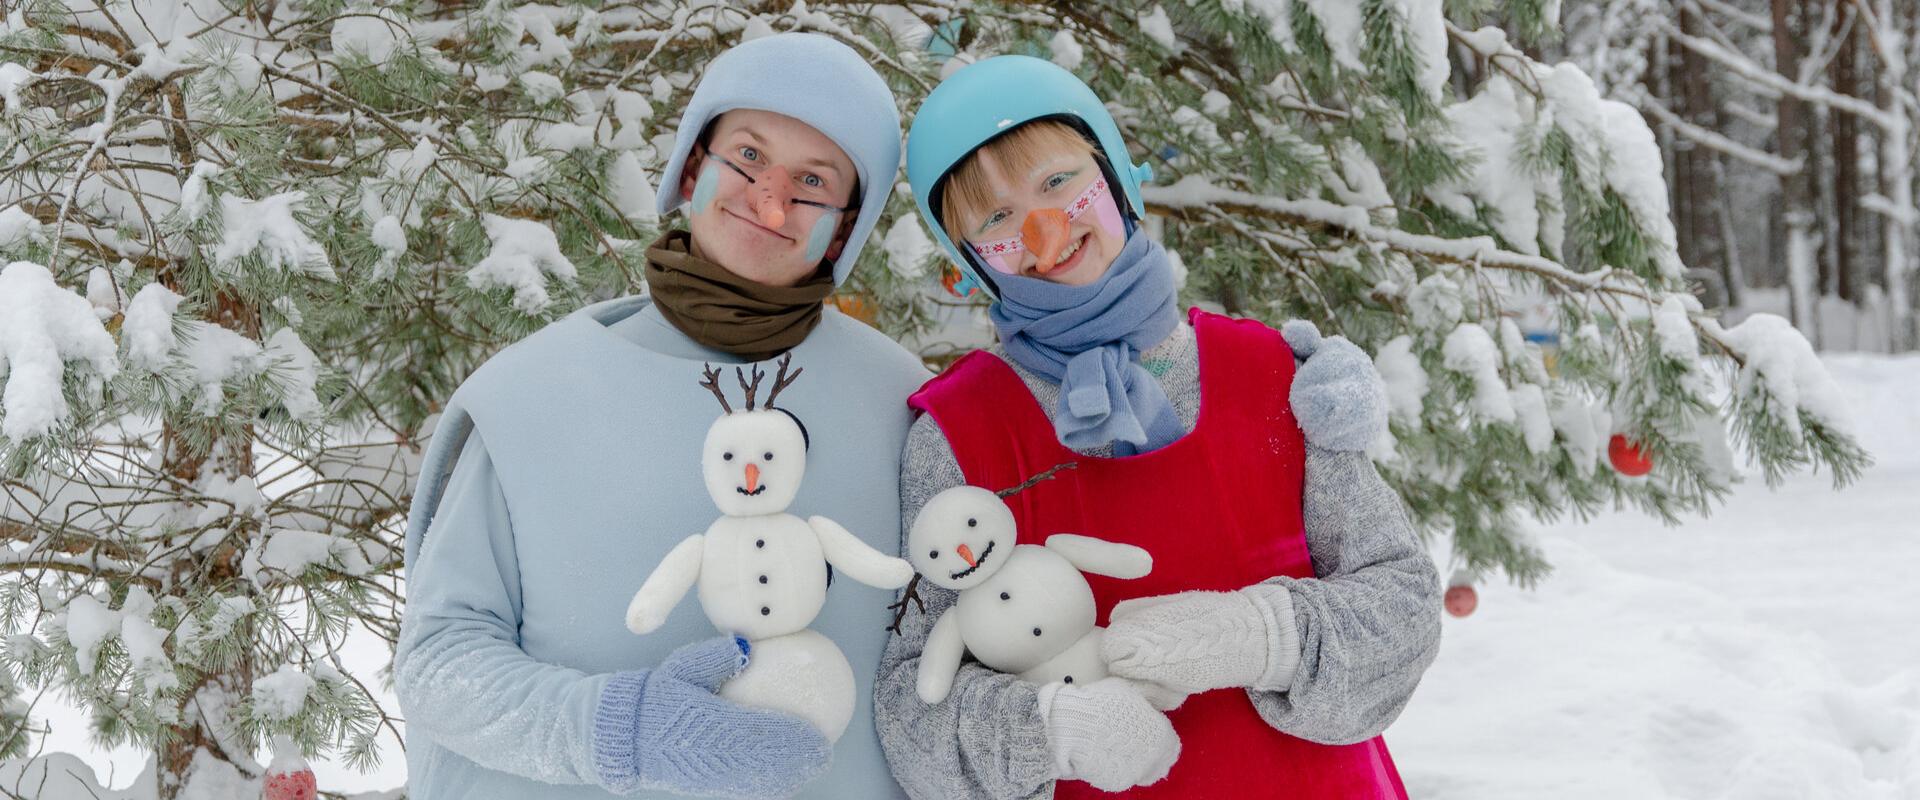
(1022, 609)
(761, 572)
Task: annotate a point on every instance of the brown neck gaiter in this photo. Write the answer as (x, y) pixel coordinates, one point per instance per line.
(726, 312)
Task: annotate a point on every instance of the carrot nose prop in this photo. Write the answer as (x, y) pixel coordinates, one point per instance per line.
(770, 195)
(753, 478)
(966, 554)
(1045, 233)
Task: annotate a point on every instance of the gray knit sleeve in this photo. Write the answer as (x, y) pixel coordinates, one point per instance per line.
(986, 741)
(1370, 623)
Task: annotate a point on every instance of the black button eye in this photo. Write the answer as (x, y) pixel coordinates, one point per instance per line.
(759, 543)
(769, 455)
(726, 456)
(973, 523)
(765, 611)
(933, 554)
(1036, 631)
(1069, 679)
(1005, 596)
(763, 579)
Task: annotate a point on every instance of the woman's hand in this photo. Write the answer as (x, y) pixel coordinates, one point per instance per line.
(1106, 734)
(1194, 642)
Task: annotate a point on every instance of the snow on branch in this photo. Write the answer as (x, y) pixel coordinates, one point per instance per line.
(1715, 141)
(1746, 68)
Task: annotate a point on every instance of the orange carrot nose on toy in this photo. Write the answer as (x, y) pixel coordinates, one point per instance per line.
(753, 478)
(966, 554)
(1045, 233)
(770, 193)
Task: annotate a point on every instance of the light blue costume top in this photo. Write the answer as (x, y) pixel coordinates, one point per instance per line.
(562, 471)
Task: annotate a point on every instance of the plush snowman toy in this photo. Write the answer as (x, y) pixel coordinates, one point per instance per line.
(1024, 609)
(762, 572)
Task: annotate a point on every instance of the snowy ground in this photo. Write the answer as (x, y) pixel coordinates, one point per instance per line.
(1772, 651)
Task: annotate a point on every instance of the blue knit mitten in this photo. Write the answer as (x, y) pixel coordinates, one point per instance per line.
(1338, 398)
(664, 728)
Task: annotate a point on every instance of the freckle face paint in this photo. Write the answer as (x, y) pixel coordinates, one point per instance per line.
(820, 236)
(704, 188)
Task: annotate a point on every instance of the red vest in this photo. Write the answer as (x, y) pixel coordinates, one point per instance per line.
(1218, 508)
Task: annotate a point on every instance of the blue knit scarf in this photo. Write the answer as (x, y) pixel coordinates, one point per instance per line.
(1089, 339)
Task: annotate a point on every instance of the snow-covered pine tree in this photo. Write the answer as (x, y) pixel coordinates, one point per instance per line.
(253, 246)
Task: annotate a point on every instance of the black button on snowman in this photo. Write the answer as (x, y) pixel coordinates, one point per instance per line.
(759, 569)
(1024, 609)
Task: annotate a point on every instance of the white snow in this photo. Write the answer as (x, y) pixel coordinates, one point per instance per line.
(1340, 25)
(216, 354)
(1067, 51)
(281, 695)
(147, 330)
(391, 238)
(193, 194)
(908, 247)
(523, 250)
(1765, 652)
(541, 86)
(632, 190)
(1490, 125)
(1158, 28)
(1406, 380)
(1470, 351)
(368, 34)
(12, 78)
(101, 294)
(89, 624)
(16, 224)
(1529, 403)
(1674, 332)
(43, 327)
(1780, 358)
(1621, 150)
(296, 370)
(1582, 427)
(267, 227)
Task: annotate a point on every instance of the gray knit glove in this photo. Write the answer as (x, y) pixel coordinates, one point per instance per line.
(1196, 642)
(1104, 733)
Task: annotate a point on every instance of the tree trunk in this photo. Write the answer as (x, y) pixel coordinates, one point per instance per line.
(1897, 174)
(1696, 188)
(1846, 158)
(1796, 192)
(205, 723)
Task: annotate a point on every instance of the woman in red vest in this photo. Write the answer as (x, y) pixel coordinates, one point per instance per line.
(1290, 601)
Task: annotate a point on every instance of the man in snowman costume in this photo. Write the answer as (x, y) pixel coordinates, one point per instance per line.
(568, 466)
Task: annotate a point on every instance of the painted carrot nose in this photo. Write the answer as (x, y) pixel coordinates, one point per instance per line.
(966, 554)
(1045, 233)
(770, 193)
(753, 478)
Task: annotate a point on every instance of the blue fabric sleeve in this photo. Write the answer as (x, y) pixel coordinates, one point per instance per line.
(459, 672)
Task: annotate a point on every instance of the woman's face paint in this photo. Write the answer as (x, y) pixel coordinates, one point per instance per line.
(821, 235)
(1005, 255)
(704, 188)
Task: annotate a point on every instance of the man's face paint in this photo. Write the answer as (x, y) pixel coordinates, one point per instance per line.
(704, 188)
(821, 235)
(1045, 233)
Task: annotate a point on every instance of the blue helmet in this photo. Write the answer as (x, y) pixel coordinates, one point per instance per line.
(987, 98)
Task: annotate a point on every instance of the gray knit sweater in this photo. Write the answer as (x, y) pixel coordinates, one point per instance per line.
(1368, 625)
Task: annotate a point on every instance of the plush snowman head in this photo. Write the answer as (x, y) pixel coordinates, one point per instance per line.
(753, 460)
(962, 537)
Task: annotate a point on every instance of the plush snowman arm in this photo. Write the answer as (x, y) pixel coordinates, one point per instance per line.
(940, 660)
(857, 559)
(1100, 556)
(669, 582)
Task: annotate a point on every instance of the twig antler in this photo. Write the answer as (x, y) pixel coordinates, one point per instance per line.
(1028, 483)
(900, 609)
(783, 380)
(713, 382)
(752, 388)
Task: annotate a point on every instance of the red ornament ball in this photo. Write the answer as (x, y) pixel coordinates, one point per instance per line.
(1627, 458)
(1462, 600)
(295, 785)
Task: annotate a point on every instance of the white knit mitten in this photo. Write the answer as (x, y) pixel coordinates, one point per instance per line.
(1196, 642)
(1104, 733)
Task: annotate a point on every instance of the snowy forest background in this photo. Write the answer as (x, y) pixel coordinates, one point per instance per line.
(251, 245)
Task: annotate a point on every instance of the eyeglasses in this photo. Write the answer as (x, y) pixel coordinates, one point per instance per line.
(751, 180)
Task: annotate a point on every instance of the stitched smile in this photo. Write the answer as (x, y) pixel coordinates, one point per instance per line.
(976, 563)
(762, 488)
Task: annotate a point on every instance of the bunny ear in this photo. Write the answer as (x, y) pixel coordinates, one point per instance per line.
(1029, 483)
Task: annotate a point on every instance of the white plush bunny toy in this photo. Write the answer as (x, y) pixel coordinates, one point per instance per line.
(1024, 609)
(762, 572)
